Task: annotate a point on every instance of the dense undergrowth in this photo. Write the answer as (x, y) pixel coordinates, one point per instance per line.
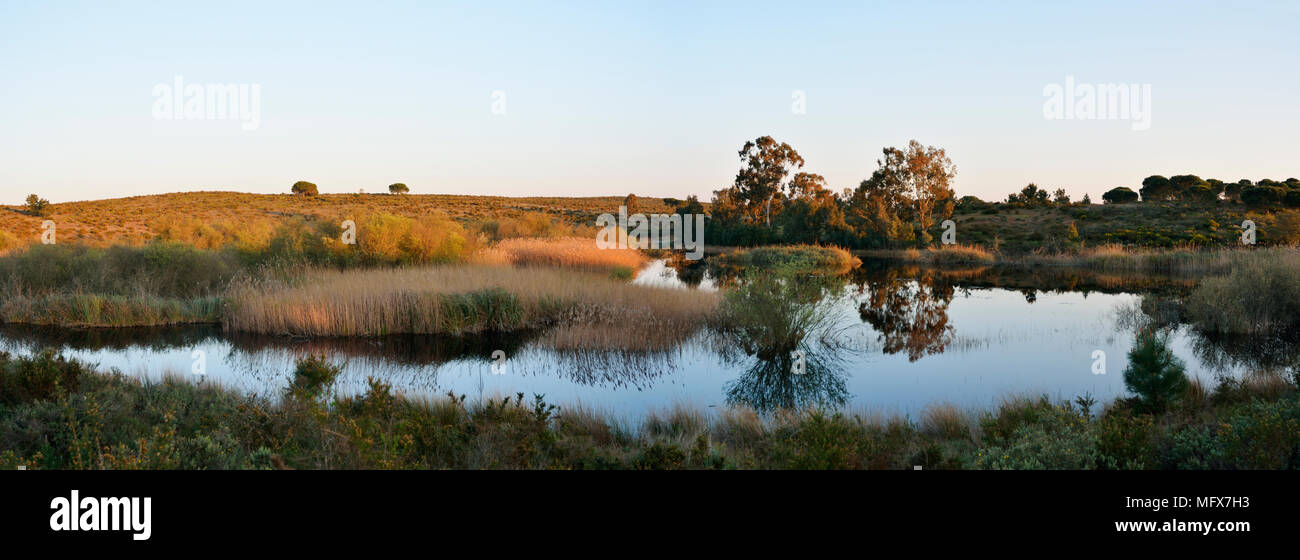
(58, 414)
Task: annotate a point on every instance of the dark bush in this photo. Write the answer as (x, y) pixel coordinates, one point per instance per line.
(1119, 195)
(41, 377)
(304, 188)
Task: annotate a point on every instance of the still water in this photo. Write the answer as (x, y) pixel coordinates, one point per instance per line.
(905, 337)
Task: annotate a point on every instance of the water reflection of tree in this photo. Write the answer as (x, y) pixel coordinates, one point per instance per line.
(690, 272)
(772, 383)
(783, 327)
(1273, 353)
(908, 307)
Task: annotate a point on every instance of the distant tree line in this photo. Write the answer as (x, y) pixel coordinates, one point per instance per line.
(1264, 193)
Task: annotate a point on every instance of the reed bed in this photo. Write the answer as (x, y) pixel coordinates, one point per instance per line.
(569, 252)
(1261, 296)
(93, 310)
(959, 254)
(466, 299)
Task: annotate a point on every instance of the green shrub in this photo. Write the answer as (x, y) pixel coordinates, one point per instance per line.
(1059, 438)
(42, 377)
(304, 188)
(312, 376)
(1154, 374)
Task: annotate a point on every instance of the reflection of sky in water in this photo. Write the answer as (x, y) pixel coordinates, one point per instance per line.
(1001, 345)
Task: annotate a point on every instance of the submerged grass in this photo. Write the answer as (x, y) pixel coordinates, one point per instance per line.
(59, 414)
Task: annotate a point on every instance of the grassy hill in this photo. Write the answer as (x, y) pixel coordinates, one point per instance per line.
(134, 220)
(1148, 224)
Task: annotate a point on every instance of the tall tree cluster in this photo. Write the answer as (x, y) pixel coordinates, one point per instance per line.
(773, 201)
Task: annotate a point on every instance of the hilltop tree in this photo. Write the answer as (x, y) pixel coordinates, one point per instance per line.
(398, 188)
(1157, 188)
(629, 202)
(304, 188)
(36, 205)
(1060, 197)
(1119, 195)
(1031, 195)
(1262, 196)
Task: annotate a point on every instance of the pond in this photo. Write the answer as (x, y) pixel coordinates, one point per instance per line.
(901, 337)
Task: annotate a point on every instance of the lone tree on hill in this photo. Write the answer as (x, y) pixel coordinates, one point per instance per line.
(36, 205)
(304, 188)
(398, 188)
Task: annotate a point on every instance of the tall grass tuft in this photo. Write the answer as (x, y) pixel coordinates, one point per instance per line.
(1261, 296)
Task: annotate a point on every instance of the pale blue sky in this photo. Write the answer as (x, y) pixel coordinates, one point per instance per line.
(646, 97)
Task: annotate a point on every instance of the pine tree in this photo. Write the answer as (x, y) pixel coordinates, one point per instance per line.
(1154, 374)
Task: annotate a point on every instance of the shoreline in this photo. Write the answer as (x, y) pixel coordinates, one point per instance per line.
(168, 424)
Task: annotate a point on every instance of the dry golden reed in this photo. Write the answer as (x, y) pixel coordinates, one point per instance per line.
(469, 298)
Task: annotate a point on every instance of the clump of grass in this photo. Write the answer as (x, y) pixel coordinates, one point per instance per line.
(959, 254)
(1261, 296)
(622, 273)
(946, 421)
(771, 315)
(794, 257)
